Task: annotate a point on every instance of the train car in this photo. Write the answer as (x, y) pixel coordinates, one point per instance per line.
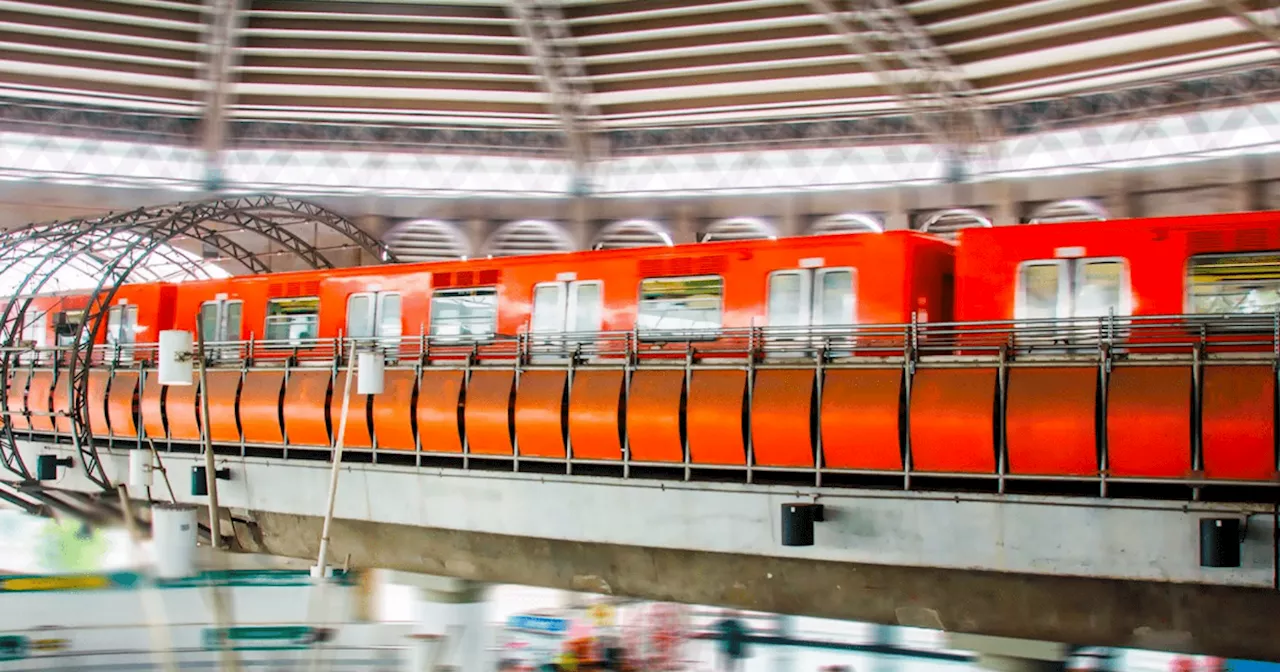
(1161, 266)
(1185, 397)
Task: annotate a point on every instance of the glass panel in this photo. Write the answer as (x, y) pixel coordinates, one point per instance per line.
(836, 301)
(113, 325)
(359, 316)
(464, 313)
(787, 304)
(230, 330)
(293, 320)
(389, 316)
(548, 309)
(1099, 288)
(1039, 295)
(1235, 283)
(209, 322)
(682, 307)
(586, 307)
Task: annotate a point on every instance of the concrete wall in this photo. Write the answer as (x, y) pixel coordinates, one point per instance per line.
(1120, 539)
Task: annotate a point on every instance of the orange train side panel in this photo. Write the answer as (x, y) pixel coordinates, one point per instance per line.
(439, 394)
(859, 419)
(781, 418)
(1149, 421)
(540, 413)
(181, 414)
(260, 406)
(305, 408)
(488, 412)
(653, 416)
(393, 411)
(61, 405)
(98, 402)
(38, 399)
(1238, 422)
(951, 421)
(223, 387)
(1050, 421)
(358, 434)
(714, 417)
(18, 400)
(149, 406)
(594, 407)
(120, 398)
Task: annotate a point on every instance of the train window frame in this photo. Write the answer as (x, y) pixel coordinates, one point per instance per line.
(1070, 275)
(1189, 298)
(434, 314)
(709, 334)
(1125, 308)
(1062, 307)
(375, 318)
(804, 308)
(816, 294)
(121, 338)
(556, 322)
(288, 319)
(574, 305)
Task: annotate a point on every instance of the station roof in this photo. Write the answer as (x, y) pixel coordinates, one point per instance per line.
(585, 68)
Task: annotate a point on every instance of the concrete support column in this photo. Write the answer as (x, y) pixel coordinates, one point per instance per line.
(1006, 203)
(477, 232)
(684, 226)
(792, 222)
(1003, 654)
(898, 216)
(783, 658)
(1242, 186)
(578, 224)
(454, 610)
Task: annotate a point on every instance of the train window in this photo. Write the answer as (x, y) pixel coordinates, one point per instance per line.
(548, 308)
(374, 315)
(789, 300)
(220, 323)
(573, 306)
(470, 313)
(360, 316)
(1065, 288)
(35, 329)
(836, 300)
(389, 329)
(122, 327)
(1100, 288)
(684, 308)
(293, 320)
(586, 305)
(1234, 283)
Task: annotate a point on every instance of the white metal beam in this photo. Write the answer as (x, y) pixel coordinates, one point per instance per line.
(562, 76)
(221, 29)
(912, 67)
(1242, 13)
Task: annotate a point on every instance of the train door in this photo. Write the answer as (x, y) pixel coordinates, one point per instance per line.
(566, 312)
(1060, 291)
(122, 330)
(373, 319)
(808, 306)
(220, 327)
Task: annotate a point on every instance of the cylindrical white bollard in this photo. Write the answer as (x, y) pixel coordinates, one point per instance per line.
(139, 468)
(370, 372)
(173, 538)
(176, 357)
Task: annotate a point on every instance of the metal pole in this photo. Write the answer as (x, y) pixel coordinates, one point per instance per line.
(337, 466)
(210, 474)
(151, 602)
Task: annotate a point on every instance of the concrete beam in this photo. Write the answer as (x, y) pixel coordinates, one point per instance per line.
(1211, 620)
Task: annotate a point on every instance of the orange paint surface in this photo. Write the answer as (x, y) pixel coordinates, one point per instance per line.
(38, 400)
(439, 425)
(1238, 422)
(653, 416)
(357, 434)
(98, 381)
(540, 413)
(1050, 421)
(714, 417)
(1149, 421)
(180, 413)
(17, 400)
(120, 404)
(594, 407)
(859, 420)
(223, 388)
(393, 411)
(260, 406)
(150, 406)
(951, 421)
(306, 408)
(488, 412)
(781, 415)
(61, 405)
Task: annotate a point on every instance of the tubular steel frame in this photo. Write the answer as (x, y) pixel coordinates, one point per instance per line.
(146, 232)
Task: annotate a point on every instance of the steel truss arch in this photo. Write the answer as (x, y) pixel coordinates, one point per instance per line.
(145, 232)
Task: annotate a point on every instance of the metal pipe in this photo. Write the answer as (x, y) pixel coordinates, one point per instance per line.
(337, 468)
(210, 472)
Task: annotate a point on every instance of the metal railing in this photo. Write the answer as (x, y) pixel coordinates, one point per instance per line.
(1102, 343)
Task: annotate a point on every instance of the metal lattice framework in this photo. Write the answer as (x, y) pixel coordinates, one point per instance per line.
(139, 234)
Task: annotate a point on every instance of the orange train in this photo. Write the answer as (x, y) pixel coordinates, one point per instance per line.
(870, 353)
